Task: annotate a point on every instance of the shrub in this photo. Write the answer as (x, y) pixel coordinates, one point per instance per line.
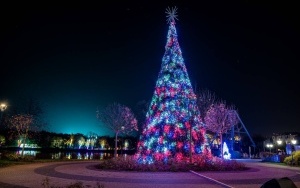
(265, 154)
(27, 158)
(11, 156)
(200, 163)
(296, 159)
(18, 157)
(78, 184)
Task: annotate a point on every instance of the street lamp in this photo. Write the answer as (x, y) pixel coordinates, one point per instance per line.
(3, 106)
(293, 143)
(279, 142)
(270, 146)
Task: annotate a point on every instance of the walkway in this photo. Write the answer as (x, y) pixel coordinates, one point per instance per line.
(62, 174)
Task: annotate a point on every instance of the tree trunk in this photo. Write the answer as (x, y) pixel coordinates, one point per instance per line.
(22, 153)
(191, 158)
(221, 147)
(116, 144)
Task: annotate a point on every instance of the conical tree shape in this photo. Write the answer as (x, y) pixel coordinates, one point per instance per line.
(172, 111)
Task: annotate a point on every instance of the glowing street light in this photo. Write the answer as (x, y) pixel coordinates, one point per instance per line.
(279, 142)
(270, 146)
(3, 106)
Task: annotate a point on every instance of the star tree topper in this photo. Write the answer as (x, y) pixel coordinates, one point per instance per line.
(171, 14)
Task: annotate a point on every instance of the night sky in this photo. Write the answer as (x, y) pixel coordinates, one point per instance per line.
(75, 57)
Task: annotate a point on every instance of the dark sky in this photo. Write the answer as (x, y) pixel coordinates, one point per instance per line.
(75, 57)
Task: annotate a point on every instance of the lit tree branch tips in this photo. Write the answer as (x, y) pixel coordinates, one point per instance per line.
(21, 124)
(204, 101)
(220, 118)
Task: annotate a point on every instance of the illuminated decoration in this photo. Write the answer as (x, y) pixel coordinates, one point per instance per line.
(93, 140)
(87, 143)
(237, 138)
(70, 141)
(226, 154)
(171, 14)
(28, 152)
(173, 126)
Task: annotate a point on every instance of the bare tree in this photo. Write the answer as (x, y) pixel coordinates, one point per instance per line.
(22, 125)
(81, 142)
(27, 106)
(205, 99)
(119, 119)
(57, 142)
(91, 139)
(70, 141)
(219, 119)
(103, 143)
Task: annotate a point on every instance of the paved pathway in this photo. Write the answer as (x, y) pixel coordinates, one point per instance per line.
(62, 174)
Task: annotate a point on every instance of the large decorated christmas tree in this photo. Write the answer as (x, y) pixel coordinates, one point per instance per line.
(173, 128)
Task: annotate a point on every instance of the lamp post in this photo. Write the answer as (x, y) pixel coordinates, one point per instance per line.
(269, 146)
(122, 141)
(279, 142)
(293, 143)
(3, 106)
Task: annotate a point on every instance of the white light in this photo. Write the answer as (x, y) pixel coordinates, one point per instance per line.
(3, 106)
(279, 142)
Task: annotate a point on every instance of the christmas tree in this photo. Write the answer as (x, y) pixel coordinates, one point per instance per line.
(173, 128)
